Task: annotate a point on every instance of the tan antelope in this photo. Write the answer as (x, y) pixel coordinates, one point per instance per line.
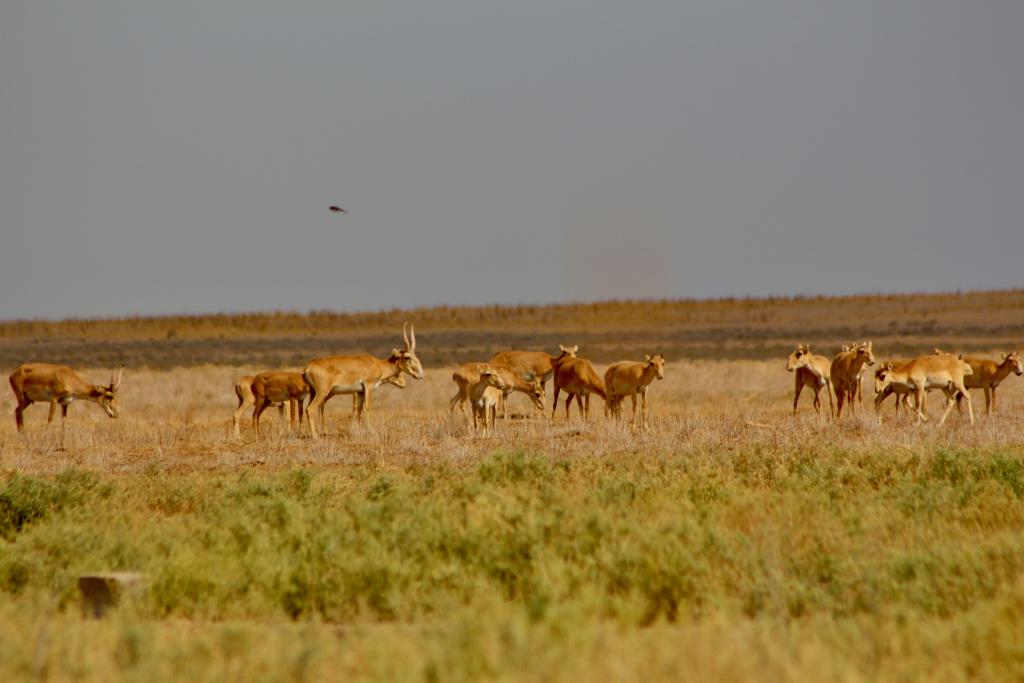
(533, 364)
(629, 378)
(845, 370)
(988, 375)
(359, 374)
(243, 391)
(578, 378)
(59, 384)
(945, 372)
(858, 389)
(485, 395)
(811, 371)
(902, 391)
(468, 374)
(357, 399)
(278, 387)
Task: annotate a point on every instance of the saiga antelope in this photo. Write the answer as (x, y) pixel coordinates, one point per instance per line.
(902, 391)
(845, 371)
(468, 374)
(358, 375)
(485, 395)
(945, 372)
(533, 364)
(38, 382)
(811, 371)
(278, 387)
(578, 378)
(988, 375)
(629, 378)
(243, 390)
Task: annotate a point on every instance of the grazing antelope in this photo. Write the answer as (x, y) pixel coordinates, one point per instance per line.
(629, 378)
(468, 374)
(811, 371)
(945, 372)
(358, 375)
(845, 372)
(902, 391)
(278, 387)
(578, 378)
(38, 382)
(485, 395)
(988, 375)
(533, 364)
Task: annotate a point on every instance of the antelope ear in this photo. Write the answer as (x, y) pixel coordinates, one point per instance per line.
(647, 358)
(888, 365)
(1005, 356)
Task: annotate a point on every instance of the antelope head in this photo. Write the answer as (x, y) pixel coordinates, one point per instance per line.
(565, 352)
(536, 392)
(864, 350)
(406, 358)
(883, 377)
(1014, 358)
(492, 378)
(799, 358)
(657, 362)
(106, 396)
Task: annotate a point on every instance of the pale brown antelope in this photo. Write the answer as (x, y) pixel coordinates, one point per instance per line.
(533, 364)
(468, 374)
(844, 372)
(359, 374)
(629, 378)
(902, 391)
(578, 378)
(243, 392)
(278, 387)
(485, 395)
(945, 372)
(811, 371)
(988, 375)
(59, 384)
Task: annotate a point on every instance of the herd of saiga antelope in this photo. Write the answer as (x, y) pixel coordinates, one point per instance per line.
(487, 385)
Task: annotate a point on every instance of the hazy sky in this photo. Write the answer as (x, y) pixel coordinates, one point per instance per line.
(160, 157)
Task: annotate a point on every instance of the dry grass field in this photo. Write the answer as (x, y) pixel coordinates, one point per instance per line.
(727, 542)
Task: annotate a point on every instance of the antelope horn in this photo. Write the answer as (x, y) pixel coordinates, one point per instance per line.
(405, 335)
(115, 382)
(412, 335)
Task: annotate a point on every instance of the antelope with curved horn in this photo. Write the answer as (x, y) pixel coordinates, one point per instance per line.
(359, 374)
(59, 384)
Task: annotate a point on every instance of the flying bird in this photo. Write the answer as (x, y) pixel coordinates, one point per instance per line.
(338, 209)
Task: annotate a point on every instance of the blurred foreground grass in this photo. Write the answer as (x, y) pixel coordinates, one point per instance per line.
(732, 564)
